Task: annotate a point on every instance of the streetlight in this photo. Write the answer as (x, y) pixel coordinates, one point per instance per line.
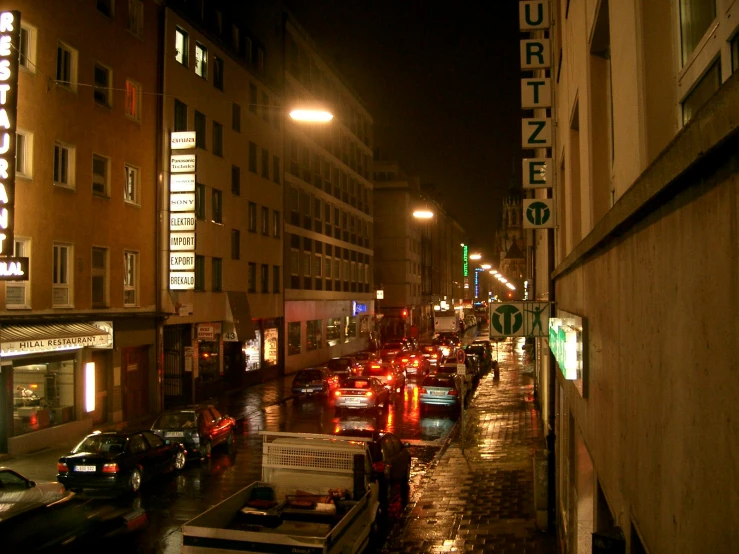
(475, 256)
(510, 286)
(311, 115)
(486, 266)
(423, 214)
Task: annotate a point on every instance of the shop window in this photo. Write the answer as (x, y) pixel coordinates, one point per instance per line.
(43, 396)
(313, 334)
(350, 328)
(333, 331)
(270, 346)
(252, 350)
(209, 362)
(293, 338)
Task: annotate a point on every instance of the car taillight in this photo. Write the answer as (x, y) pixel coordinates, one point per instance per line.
(423, 391)
(452, 392)
(62, 468)
(434, 356)
(404, 360)
(378, 467)
(375, 366)
(110, 468)
(368, 393)
(415, 363)
(337, 393)
(390, 377)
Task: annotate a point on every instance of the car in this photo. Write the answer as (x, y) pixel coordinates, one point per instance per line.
(431, 351)
(393, 348)
(364, 359)
(343, 367)
(391, 462)
(120, 460)
(314, 381)
(439, 390)
(361, 393)
(416, 365)
(484, 351)
(389, 374)
(449, 367)
(19, 495)
(199, 428)
(447, 346)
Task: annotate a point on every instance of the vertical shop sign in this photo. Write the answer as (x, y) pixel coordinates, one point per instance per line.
(182, 238)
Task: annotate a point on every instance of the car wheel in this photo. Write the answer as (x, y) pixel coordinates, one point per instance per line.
(179, 460)
(206, 451)
(134, 481)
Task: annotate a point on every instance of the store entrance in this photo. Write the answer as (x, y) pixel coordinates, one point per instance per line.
(135, 371)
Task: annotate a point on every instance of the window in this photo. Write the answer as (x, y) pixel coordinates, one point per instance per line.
(217, 275)
(181, 46)
(313, 334)
(317, 265)
(99, 269)
(180, 116)
(696, 17)
(275, 278)
(333, 331)
(265, 106)
(17, 293)
(702, 92)
(217, 207)
(306, 263)
(276, 224)
(105, 7)
(133, 100)
(103, 85)
(735, 53)
(27, 47)
(265, 221)
(199, 273)
(265, 163)
(235, 244)
(276, 169)
(265, 278)
(293, 338)
(294, 261)
(66, 66)
(132, 186)
(199, 201)
(201, 60)
(236, 117)
(252, 98)
(252, 157)
(100, 179)
(236, 38)
(61, 291)
(24, 154)
(218, 72)
(252, 277)
(235, 180)
(217, 139)
(252, 217)
(327, 267)
(136, 17)
(130, 278)
(199, 130)
(63, 165)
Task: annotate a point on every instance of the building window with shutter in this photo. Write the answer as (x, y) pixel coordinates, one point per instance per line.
(61, 293)
(64, 163)
(103, 91)
(133, 100)
(180, 116)
(131, 186)
(130, 278)
(100, 176)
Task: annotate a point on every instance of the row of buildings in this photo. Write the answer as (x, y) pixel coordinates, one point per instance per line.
(641, 268)
(183, 234)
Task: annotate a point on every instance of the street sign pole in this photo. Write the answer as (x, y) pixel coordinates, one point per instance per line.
(462, 374)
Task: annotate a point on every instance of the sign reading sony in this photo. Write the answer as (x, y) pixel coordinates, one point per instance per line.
(10, 26)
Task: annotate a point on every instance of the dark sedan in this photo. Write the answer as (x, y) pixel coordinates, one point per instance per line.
(314, 381)
(198, 428)
(119, 460)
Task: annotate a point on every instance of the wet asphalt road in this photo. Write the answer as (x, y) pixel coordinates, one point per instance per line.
(170, 502)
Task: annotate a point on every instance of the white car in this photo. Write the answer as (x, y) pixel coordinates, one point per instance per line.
(18, 494)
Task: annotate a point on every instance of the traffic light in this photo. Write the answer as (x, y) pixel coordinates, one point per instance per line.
(404, 313)
(510, 295)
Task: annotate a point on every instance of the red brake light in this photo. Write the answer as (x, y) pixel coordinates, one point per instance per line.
(434, 356)
(110, 468)
(415, 363)
(375, 366)
(452, 392)
(390, 377)
(368, 393)
(378, 467)
(337, 393)
(423, 391)
(62, 468)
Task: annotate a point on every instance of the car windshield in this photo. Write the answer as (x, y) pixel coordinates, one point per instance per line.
(357, 384)
(448, 369)
(310, 374)
(393, 345)
(175, 420)
(378, 370)
(445, 382)
(101, 443)
(338, 364)
(363, 356)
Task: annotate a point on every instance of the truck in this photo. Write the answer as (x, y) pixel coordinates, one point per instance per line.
(316, 496)
(446, 322)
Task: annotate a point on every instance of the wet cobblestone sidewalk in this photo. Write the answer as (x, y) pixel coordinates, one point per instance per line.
(482, 499)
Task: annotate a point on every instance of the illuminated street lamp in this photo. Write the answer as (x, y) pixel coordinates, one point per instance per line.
(423, 214)
(486, 266)
(475, 256)
(311, 115)
(510, 286)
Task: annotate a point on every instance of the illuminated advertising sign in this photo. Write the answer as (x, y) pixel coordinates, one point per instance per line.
(179, 262)
(182, 140)
(566, 343)
(10, 27)
(181, 222)
(182, 211)
(465, 263)
(182, 164)
(182, 182)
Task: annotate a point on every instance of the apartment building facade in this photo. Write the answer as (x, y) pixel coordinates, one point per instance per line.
(328, 249)
(224, 328)
(644, 273)
(78, 338)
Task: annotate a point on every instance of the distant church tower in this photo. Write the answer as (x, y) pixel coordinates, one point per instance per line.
(511, 243)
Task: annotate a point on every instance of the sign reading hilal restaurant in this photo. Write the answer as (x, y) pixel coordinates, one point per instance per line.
(182, 212)
(15, 269)
(536, 94)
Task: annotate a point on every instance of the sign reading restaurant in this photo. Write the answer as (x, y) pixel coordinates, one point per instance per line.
(11, 348)
(15, 269)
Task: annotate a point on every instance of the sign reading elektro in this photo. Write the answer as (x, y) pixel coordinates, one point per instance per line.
(182, 212)
(15, 269)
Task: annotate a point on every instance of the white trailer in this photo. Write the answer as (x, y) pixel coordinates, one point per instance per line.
(316, 496)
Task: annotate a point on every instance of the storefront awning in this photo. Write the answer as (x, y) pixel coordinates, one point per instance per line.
(239, 314)
(16, 340)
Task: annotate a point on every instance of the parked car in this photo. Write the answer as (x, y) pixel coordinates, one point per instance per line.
(449, 367)
(119, 460)
(364, 359)
(391, 462)
(416, 365)
(19, 494)
(439, 390)
(393, 348)
(343, 367)
(314, 381)
(361, 393)
(199, 428)
(484, 350)
(389, 374)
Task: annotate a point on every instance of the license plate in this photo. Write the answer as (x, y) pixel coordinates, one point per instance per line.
(438, 392)
(352, 400)
(306, 390)
(174, 434)
(86, 469)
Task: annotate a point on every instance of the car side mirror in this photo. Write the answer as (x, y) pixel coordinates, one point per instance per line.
(31, 484)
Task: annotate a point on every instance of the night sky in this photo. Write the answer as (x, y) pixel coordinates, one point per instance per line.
(442, 82)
